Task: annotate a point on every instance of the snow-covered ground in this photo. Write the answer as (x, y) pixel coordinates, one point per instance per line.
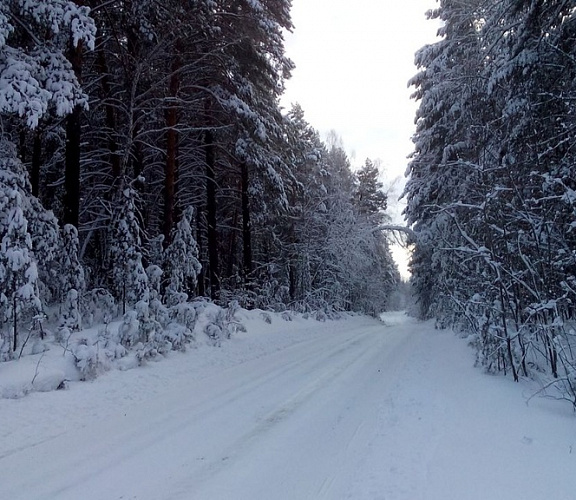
(350, 409)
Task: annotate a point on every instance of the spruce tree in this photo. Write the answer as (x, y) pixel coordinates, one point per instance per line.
(19, 296)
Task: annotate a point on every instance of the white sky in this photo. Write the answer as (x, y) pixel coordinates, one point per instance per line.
(353, 61)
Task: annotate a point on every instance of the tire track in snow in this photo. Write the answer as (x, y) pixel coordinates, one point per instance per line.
(145, 428)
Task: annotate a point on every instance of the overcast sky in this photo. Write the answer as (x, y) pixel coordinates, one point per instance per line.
(353, 61)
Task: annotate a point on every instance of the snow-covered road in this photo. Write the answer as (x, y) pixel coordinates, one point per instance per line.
(358, 410)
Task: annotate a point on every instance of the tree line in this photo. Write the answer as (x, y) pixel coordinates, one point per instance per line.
(144, 156)
(492, 184)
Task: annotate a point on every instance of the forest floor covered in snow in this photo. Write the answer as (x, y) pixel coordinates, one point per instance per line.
(348, 409)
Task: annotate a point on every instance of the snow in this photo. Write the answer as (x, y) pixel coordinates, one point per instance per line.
(356, 408)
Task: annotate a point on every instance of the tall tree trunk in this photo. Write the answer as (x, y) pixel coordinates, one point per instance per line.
(211, 214)
(72, 171)
(73, 138)
(171, 154)
(200, 241)
(246, 226)
(232, 246)
(110, 114)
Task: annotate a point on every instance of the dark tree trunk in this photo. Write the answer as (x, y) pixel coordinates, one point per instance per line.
(232, 246)
(246, 226)
(171, 155)
(22, 146)
(110, 114)
(211, 214)
(73, 138)
(72, 171)
(200, 241)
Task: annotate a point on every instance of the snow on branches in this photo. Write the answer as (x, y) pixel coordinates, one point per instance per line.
(34, 71)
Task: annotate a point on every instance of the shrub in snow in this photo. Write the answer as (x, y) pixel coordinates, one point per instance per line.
(33, 342)
(129, 329)
(94, 356)
(320, 315)
(178, 336)
(88, 360)
(221, 324)
(6, 353)
(99, 306)
(266, 317)
(287, 316)
(70, 312)
(157, 310)
(214, 333)
(184, 314)
(150, 330)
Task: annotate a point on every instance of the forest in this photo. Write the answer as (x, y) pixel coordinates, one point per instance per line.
(147, 166)
(492, 187)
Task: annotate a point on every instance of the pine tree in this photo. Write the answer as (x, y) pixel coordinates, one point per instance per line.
(181, 260)
(491, 188)
(73, 283)
(34, 71)
(448, 145)
(369, 196)
(128, 275)
(19, 296)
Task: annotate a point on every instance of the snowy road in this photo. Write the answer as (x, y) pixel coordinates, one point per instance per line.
(366, 411)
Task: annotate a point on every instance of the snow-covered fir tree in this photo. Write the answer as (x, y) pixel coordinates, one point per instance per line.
(181, 260)
(490, 193)
(34, 71)
(19, 296)
(129, 278)
(73, 282)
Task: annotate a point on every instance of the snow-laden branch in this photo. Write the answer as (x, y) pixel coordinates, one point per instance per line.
(402, 229)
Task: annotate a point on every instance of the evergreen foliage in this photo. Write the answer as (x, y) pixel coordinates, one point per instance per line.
(492, 178)
(155, 135)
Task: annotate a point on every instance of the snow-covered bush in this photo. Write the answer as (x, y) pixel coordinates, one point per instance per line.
(215, 332)
(184, 314)
(287, 315)
(267, 317)
(94, 356)
(98, 307)
(320, 315)
(129, 330)
(148, 326)
(218, 323)
(157, 309)
(178, 336)
(70, 312)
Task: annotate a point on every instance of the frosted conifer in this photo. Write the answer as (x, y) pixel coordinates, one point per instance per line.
(128, 275)
(182, 265)
(19, 297)
(72, 277)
